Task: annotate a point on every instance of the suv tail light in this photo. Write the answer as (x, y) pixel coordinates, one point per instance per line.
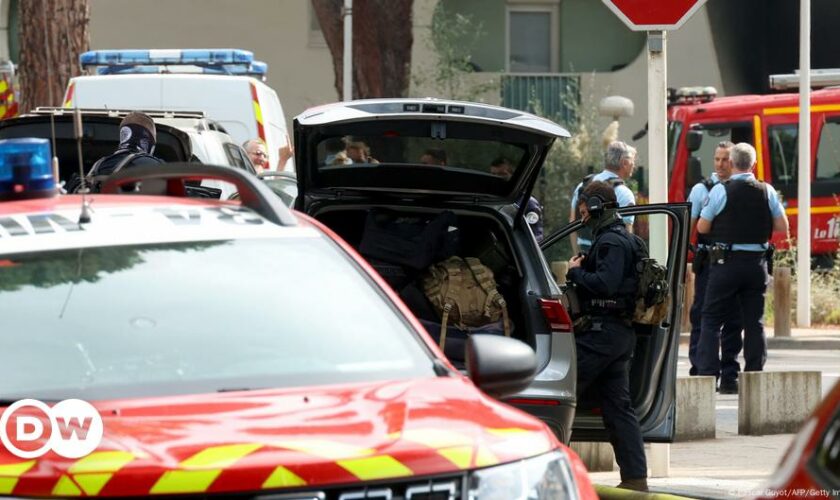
(556, 315)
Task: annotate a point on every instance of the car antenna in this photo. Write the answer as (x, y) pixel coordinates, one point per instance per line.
(84, 217)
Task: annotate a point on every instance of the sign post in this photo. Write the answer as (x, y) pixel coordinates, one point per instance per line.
(657, 17)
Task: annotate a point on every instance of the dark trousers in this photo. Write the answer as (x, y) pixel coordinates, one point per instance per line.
(730, 335)
(741, 279)
(603, 364)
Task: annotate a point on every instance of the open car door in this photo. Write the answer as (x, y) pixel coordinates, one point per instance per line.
(654, 369)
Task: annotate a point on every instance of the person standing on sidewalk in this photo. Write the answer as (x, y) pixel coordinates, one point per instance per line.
(739, 218)
(619, 164)
(607, 281)
(731, 334)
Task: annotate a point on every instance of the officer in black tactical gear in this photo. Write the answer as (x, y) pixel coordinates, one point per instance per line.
(137, 144)
(606, 281)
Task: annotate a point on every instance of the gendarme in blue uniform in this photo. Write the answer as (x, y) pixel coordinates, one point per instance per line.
(730, 335)
(741, 211)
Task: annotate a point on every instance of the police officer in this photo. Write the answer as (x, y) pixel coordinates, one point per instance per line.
(619, 164)
(731, 333)
(739, 218)
(606, 281)
(137, 144)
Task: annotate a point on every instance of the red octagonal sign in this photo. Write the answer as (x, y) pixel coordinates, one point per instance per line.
(654, 15)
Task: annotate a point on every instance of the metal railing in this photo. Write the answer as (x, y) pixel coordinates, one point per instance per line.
(553, 95)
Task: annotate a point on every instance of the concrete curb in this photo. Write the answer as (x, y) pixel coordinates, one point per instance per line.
(791, 343)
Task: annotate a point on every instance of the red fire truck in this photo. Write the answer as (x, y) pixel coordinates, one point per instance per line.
(698, 121)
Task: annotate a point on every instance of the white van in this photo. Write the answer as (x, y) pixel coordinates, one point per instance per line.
(224, 83)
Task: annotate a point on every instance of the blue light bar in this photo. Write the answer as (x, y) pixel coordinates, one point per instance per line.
(26, 169)
(201, 57)
(256, 68)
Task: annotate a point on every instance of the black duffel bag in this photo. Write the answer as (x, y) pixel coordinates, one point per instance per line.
(414, 241)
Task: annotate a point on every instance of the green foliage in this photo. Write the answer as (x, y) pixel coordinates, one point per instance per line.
(452, 37)
(825, 289)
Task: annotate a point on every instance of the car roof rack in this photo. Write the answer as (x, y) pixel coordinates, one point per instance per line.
(253, 193)
(819, 78)
(154, 113)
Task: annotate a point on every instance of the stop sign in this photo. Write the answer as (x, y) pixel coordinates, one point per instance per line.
(654, 15)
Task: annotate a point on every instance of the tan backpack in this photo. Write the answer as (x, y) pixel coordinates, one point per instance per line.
(463, 290)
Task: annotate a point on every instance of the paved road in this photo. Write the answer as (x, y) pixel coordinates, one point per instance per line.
(733, 466)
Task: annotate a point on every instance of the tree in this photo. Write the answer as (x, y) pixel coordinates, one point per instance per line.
(382, 40)
(52, 35)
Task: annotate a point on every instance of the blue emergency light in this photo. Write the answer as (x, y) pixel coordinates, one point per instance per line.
(26, 169)
(256, 68)
(151, 57)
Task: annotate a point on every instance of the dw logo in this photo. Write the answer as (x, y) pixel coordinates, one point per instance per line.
(71, 428)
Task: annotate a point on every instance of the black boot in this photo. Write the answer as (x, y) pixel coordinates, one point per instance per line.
(634, 484)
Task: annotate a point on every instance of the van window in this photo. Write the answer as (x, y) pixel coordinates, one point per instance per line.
(828, 153)
(783, 154)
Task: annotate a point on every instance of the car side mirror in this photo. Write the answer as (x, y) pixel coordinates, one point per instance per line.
(500, 366)
(693, 140)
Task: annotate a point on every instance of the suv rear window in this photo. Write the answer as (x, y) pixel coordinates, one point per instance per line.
(177, 318)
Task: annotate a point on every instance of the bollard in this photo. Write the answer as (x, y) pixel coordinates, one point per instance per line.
(695, 417)
(776, 402)
(597, 457)
(560, 268)
(688, 299)
(781, 302)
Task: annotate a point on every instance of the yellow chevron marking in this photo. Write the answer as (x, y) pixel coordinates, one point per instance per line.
(283, 477)
(203, 468)
(102, 461)
(326, 449)
(185, 481)
(92, 484)
(437, 438)
(484, 457)
(7, 485)
(371, 468)
(461, 456)
(219, 456)
(257, 112)
(66, 487)
(17, 469)
(4, 86)
(507, 431)
(9, 474)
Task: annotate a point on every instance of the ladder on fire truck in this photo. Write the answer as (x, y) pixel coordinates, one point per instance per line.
(819, 78)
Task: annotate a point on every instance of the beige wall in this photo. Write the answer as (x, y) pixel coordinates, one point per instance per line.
(277, 31)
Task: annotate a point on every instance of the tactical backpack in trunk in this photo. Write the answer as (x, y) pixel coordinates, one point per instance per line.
(463, 291)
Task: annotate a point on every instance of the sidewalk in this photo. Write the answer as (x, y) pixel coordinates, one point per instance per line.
(800, 338)
(734, 466)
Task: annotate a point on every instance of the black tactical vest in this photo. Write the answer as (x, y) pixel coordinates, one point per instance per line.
(622, 304)
(746, 218)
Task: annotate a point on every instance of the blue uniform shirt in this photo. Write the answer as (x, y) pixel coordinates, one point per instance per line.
(717, 201)
(623, 194)
(697, 196)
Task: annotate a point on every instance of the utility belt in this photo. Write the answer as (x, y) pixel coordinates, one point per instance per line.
(720, 253)
(589, 314)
